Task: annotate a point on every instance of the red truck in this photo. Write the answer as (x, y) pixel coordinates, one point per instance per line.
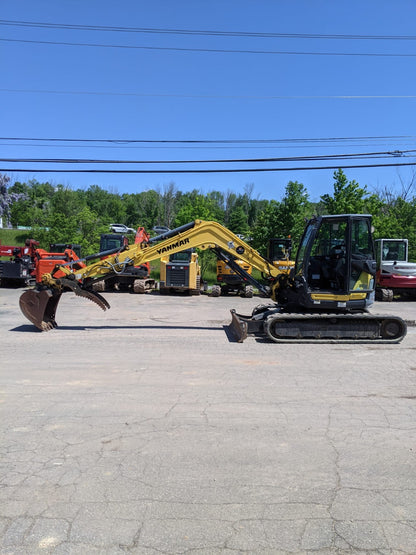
(395, 275)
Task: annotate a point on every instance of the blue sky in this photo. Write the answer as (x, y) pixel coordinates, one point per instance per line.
(182, 87)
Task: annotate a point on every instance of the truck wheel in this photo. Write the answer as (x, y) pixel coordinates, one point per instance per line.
(248, 291)
(215, 291)
(384, 295)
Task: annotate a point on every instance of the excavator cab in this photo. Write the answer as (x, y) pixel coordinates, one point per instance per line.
(279, 249)
(335, 263)
(327, 294)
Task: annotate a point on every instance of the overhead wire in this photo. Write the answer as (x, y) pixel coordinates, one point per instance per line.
(213, 50)
(203, 171)
(337, 157)
(351, 156)
(211, 141)
(204, 142)
(222, 96)
(153, 30)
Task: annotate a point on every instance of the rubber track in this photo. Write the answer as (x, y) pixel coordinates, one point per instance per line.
(324, 318)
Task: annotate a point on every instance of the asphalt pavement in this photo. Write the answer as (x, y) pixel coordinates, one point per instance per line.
(146, 430)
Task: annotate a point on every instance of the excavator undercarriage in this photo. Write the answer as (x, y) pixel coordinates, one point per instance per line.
(281, 327)
(323, 296)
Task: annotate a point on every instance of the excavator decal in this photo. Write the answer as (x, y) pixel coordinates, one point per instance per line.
(177, 245)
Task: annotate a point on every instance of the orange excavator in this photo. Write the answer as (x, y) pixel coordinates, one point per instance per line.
(323, 297)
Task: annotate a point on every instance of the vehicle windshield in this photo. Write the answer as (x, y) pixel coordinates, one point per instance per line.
(302, 251)
(394, 250)
(110, 243)
(183, 256)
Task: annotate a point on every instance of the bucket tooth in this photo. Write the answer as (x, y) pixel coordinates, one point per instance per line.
(39, 307)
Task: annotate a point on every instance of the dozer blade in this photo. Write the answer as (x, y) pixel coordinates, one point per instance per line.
(238, 326)
(242, 325)
(39, 307)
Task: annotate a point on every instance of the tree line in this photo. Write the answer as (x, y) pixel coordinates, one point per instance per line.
(60, 214)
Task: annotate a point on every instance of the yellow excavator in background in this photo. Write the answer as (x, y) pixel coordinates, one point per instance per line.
(278, 253)
(324, 297)
(230, 281)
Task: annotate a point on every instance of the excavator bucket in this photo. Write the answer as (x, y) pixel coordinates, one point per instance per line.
(39, 307)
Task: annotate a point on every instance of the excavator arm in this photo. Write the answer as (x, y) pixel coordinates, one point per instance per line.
(39, 305)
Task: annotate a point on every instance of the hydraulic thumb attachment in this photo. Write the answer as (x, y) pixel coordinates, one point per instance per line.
(39, 306)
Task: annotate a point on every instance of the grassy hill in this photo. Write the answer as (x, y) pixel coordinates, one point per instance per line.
(14, 237)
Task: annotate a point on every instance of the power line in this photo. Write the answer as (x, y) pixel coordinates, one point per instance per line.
(211, 141)
(194, 147)
(151, 30)
(352, 156)
(202, 171)
(213, 50)
(216, 96)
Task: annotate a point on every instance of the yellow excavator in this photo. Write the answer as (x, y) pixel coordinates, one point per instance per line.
(278, 253)
(228, 281)
(324, 297)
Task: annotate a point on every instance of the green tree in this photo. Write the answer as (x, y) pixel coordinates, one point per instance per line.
(238, 221)
(110, 206)
(67, 202)
(267, 226)
(216, 199)
(281, 219)
(89, 228)
(293, 210)
(32, 211)
(348, 196)
(169, 205)
(143, 209)
(195, 206)
(229, 205)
